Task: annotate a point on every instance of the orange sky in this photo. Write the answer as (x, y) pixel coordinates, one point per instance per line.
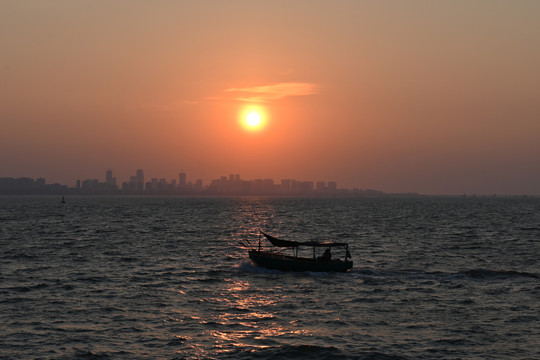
(429, 97)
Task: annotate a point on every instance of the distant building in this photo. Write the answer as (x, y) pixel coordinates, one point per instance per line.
(139, 184)
(307, 187)
(132, 183)
(332, 186)
(90, 185)
(25, 185)
(109, 177)
(294, 186)
(285, 186)
(182, 180)
(153, 184)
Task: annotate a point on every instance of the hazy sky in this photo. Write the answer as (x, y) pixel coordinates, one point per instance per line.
(436, 97)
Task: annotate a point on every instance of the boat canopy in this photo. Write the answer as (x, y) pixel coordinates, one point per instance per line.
(288, 243)
(281, 243)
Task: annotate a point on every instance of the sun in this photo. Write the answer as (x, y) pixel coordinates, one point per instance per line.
(253, 118)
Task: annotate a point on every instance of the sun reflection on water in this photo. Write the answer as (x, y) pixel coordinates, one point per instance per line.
(246, 319)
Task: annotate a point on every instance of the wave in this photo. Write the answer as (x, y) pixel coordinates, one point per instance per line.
(308, 352)
(463, 274)
(23, 289)
(488, 274)
(11, 255)
(90, 355)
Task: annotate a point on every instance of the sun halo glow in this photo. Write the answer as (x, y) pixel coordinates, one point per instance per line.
(253, 118)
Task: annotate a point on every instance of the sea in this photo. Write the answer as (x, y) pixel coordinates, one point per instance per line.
(170, 278)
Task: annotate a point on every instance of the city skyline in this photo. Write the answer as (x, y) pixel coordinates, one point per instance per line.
(426, 97)
(139, 180)
(138, 184)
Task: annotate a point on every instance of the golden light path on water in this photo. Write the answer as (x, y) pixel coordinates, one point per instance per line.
(251, 313)
(245, 318)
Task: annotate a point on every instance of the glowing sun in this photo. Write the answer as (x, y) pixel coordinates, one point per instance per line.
(253, 119)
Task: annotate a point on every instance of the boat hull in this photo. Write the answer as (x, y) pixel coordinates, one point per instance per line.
(290, 263)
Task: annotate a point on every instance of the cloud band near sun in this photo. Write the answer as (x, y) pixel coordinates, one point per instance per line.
(272, 92)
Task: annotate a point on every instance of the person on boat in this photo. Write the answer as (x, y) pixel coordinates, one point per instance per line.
(327, 256)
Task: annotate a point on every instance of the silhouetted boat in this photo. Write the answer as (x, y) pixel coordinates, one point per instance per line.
(279, 261)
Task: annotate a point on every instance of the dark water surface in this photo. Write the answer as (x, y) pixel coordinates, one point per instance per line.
(165, 278)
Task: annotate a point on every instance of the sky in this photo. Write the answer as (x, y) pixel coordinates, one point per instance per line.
(434, 97)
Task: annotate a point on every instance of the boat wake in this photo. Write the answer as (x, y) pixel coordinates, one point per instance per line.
(248, 266)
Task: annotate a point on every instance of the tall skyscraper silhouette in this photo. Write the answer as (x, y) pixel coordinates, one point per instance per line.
(139, 180)
(182, 180)
(109, 180)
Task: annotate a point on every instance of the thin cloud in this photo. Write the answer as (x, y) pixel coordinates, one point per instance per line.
(273, 92)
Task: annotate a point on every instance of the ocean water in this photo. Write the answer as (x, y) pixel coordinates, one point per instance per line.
(166, 278)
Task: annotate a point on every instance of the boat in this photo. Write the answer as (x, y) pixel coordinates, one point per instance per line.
(275, 259)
